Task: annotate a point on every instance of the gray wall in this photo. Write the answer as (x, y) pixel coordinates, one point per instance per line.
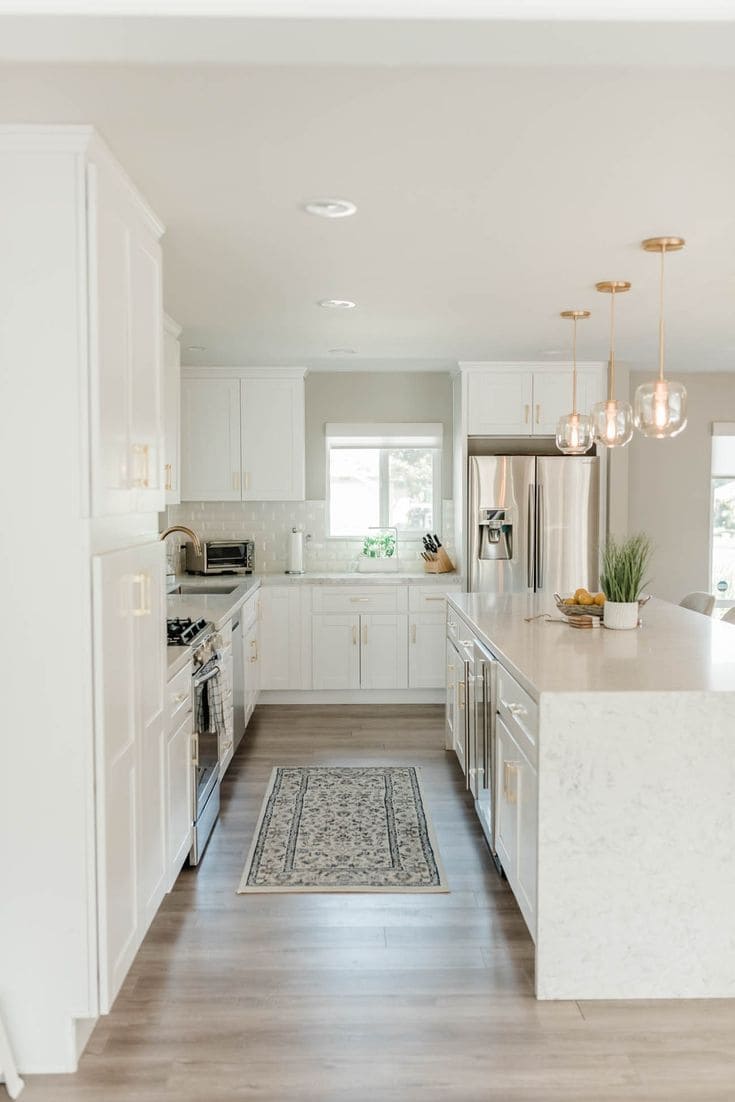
(668, 486)
(367, 397)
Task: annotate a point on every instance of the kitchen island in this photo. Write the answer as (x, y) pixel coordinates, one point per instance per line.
(614, 795)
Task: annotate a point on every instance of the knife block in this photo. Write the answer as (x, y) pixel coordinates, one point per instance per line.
(440, 563)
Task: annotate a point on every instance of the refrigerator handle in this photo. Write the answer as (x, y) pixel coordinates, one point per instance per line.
(539, 537)
(531, 540)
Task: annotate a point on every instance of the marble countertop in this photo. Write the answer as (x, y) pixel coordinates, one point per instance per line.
(674, 650)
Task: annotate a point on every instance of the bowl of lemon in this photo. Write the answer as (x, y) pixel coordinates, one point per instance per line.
(581, 603)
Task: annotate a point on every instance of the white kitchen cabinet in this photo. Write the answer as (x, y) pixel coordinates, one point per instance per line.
(516, 804)
(126, 347)
(426, 650)
(179, 772)
(242, 433)
(526, 399)
(336, 650)
(251, 650)
(383, 651)
(499, 403)
(226, 739)
(210, 440)
(272, 434)
(171, 411)
(285, 637)
(456, 734)
(130, 654)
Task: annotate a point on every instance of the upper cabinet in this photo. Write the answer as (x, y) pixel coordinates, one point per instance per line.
(242, 435)
(126, 344)
(171, 411)
(527, 399)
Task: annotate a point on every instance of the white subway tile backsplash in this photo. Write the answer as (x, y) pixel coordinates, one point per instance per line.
(269, 522)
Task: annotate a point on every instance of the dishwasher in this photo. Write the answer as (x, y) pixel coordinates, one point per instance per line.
(238, 683)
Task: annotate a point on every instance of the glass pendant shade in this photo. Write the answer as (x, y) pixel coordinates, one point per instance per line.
(574, 434)
(661, 408)
(612, 423)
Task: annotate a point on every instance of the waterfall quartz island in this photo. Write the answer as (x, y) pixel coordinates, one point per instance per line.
(635, 781)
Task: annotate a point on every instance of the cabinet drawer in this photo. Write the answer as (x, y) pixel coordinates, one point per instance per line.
(429, 598)
(178, 697)
(520, 713)
(386, 598)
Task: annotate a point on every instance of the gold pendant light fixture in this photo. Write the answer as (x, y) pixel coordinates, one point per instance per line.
(574, 431)
(660, 407)
(612, 421)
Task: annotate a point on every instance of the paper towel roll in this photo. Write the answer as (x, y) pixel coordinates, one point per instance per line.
(295, 552)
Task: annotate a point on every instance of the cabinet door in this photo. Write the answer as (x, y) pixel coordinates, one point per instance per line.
(272, 439)
(499, 403)
(525, 890)
(281, 648)
(210, 440)
(149, 614)
(426, 650)
(146, 372)
(171, 413)
(552, 398)
(336, 651)
(383, 655)
(252, 668)
(179, 792)
(508, 759)
(450, 714)
(117, 770)
(109, 274)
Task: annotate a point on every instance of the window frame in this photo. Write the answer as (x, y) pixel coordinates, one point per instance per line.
(719, 428)
(378, 437)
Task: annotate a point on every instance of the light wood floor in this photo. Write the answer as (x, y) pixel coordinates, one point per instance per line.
(381, 998)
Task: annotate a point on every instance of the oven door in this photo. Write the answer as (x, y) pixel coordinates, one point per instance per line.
(206, 766)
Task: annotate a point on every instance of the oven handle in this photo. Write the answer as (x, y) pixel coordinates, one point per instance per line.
(204, 677)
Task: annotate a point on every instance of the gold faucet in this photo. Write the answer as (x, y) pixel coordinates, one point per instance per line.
(187, 531)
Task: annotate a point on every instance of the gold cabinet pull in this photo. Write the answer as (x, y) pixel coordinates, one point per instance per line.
(254, 648)
(526, 413)
(461, 687)
(143, 607)
(358, 600)
(413, 633)
(246, 480)
(168, 468)
(140, 466)
(235, 480)
(510, 768)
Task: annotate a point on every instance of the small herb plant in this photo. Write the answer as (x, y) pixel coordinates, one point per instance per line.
(624, 566)
(379, 547)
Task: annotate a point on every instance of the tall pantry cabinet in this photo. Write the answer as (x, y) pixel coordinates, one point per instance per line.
(81, 327)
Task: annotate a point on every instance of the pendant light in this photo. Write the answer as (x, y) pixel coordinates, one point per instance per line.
(660, 407)
(574, 431)
(612, 421)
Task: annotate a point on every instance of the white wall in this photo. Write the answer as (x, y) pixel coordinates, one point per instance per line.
(668, 486)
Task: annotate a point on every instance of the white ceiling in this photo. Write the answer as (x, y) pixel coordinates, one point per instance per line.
(489, 198)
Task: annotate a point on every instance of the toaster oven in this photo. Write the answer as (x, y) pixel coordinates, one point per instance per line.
(221, 557)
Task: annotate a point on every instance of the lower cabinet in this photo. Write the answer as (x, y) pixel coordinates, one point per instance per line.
(426, 650)
(516, 805)
(226, 740)
(251, 627)
(130, 656)
(285, 637)
(354, 651)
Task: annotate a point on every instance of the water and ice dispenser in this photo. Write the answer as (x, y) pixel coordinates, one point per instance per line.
(496, 534)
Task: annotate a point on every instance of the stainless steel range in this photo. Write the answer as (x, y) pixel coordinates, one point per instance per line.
(206, 667)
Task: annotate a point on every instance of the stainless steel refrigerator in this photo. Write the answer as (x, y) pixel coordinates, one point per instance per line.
(533, 523)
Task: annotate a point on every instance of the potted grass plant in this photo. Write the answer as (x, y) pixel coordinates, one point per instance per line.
(624, 568)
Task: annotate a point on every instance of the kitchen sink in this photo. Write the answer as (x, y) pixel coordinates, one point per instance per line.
(203, 590)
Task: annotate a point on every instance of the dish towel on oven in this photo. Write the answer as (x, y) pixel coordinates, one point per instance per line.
(209, 706)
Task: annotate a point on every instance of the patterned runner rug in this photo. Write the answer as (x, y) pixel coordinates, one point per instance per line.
(344, 829)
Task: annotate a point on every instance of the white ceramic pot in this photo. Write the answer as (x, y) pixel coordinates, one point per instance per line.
(620, 615)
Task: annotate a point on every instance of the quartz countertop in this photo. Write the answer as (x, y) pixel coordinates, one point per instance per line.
(359, 577)
(674, 650)
(176, 659)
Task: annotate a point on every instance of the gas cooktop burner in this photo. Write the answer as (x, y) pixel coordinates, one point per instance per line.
(181, 632)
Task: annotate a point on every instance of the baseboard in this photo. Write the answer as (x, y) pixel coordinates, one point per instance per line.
(358, 696)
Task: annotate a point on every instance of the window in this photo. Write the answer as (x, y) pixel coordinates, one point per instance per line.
(383, 476)
(723, 513)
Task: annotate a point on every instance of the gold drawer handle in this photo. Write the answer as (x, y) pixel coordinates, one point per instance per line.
(359, 600)
(510, 767)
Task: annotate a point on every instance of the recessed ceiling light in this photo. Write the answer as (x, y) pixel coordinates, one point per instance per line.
(330, 208)
(343, 351)
(195, 348)
(337, 304)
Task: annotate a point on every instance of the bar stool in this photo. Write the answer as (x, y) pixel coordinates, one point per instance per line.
(699, 602)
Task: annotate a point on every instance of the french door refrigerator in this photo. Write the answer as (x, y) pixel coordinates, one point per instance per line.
(533, 523)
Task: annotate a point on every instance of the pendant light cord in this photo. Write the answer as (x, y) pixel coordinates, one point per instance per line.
(611, 371)
(661, 319)
(574, 368)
